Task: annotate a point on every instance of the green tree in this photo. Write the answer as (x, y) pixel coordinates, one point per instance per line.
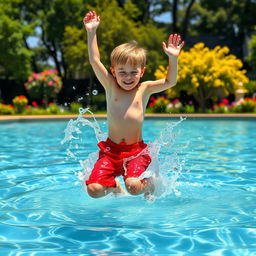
(181, 13)
(54, 17)
(15, 57)
(224, 17)
(112, 32)
(252, 54)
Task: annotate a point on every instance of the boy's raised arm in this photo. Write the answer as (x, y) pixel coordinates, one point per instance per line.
(91, 23)
(172, 49)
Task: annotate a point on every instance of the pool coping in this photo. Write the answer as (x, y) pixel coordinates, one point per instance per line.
(165, 116)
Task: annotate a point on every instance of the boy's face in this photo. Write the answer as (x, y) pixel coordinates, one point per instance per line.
(127, 76)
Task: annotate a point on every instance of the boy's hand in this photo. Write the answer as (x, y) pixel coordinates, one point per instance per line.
(91, 21)
(174, 45)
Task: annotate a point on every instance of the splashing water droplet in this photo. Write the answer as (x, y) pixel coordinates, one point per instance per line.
(83, 110)
(94, 92)
(167, 161)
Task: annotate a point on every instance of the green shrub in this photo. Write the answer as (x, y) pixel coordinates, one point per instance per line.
(74, 107)
(53, 109)
(20, 103)
(99, 102)
(35, 111)
(6, 109)
(189, 108)
(251, 87)
(248, 105)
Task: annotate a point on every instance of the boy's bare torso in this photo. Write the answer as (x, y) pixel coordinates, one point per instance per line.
(126, 113)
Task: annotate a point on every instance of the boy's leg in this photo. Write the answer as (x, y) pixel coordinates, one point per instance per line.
(102, 179)
(96, 190)
(135, 168)
(136, 187)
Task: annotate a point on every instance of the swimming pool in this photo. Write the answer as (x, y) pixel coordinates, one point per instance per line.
(44, 211)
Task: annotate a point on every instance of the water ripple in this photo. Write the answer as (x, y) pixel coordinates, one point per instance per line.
(44, 211)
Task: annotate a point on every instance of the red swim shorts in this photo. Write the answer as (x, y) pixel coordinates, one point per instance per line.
(119, 159)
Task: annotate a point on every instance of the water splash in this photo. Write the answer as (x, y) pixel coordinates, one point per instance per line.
(73, 127)
(166, 166)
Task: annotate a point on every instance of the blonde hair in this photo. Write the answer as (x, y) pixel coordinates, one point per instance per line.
(128, 53)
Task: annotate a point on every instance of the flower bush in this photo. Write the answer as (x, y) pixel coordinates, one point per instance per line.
(6, 109)
(247, 105)
(163, 105)
(158, 105)
(51, 108)
(205, 72)
(44, 86)
(20, 103)
(174, 106)
(189, 108)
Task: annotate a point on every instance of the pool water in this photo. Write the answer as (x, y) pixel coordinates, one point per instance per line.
(212, 210)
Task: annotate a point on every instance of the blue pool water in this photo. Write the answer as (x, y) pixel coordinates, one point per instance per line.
(211, 210)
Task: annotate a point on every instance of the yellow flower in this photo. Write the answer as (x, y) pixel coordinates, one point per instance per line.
(201, 67)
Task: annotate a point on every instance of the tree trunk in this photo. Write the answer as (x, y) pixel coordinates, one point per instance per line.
(174, 16)
(186, 20)
(200, 99)
(33, 60)
(52, 52)
(64, 65)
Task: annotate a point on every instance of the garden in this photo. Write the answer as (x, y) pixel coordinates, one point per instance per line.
(211, 79)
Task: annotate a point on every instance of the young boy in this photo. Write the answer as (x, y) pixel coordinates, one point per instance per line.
(127, 99)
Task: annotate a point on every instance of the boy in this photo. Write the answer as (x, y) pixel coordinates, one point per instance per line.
(126, 103)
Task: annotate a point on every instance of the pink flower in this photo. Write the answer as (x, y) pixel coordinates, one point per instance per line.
(50, 83)
(34, 104)
(175, 101)
(225, 101)
(35, 75)
(51, 71)
(30, 79)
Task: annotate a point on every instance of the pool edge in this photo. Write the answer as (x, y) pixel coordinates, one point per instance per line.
(67, 117)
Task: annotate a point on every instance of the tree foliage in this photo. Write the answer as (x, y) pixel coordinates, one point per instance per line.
(224, 17)
(112, 32)
(252, 54)
(202, 72)
(15, 58)
(62, 39)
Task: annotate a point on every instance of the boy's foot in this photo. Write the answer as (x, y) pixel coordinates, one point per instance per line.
(119, 190)
(149, 194)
